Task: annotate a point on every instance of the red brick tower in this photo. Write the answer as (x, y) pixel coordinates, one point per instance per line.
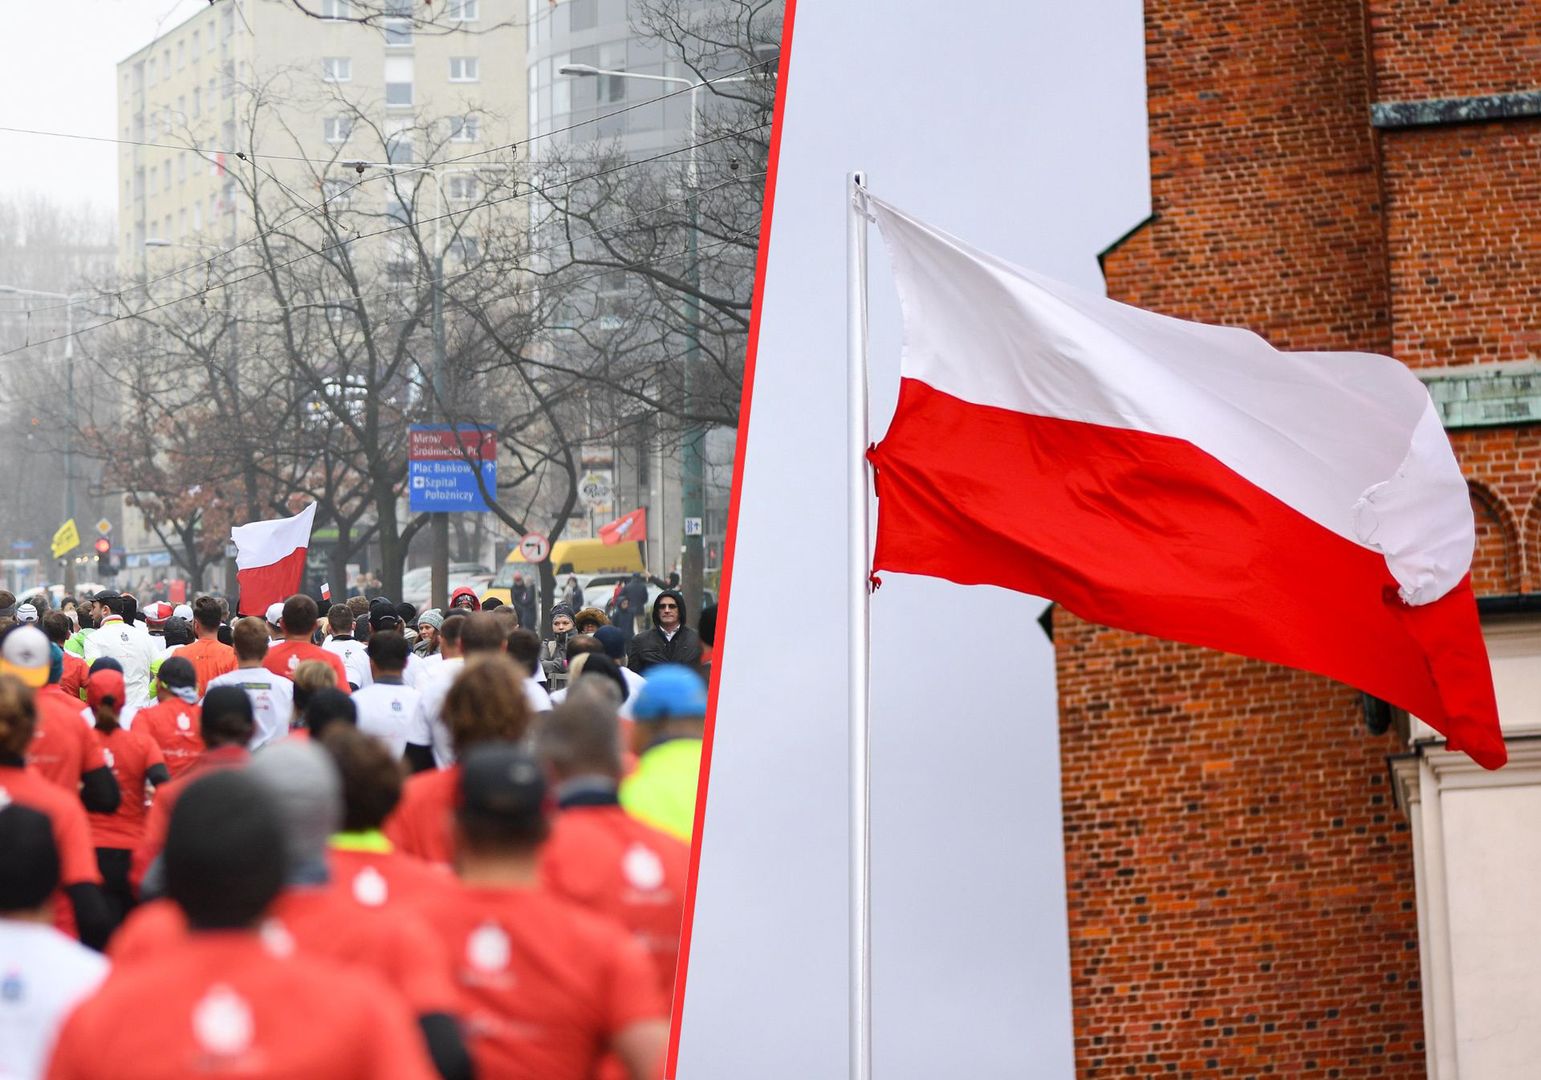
(1333, 175)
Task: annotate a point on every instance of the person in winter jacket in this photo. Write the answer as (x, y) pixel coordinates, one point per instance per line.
(670, 641)
(572, 592)
(523, 602)
(464, 597)
(553, 650)
(635, 591)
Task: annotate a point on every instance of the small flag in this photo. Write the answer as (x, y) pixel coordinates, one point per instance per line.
(326, 591)
(632, 526)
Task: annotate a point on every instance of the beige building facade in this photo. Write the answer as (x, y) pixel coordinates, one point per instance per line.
(305, 98)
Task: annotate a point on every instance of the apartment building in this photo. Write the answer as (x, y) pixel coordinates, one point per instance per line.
(303, 98)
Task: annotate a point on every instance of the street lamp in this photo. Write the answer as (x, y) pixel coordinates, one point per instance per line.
(692, 497)
(70, 300)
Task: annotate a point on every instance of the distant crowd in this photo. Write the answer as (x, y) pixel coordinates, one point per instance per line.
(257, 845)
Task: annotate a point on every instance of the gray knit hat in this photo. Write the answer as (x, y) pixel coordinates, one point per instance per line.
(433, 617)
(305, 783)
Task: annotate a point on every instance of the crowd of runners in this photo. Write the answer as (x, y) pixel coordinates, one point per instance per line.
(359, 842)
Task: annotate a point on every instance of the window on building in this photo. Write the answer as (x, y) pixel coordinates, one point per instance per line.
(151, 177)
(398, 148)
(210, 43)
(462, 186)
(149, 71)
(182, 222)
(336, 9)
(464, 248)
(398, 80)
(166, 174)
(463, 10)
(464, 69)
(338, 128)
(465, 128)
(582, 14)
(197, 101)
(166, 61)
(181, 55)
(337, 69)
(337, 193)
(182, 169)
(397, 211)
(197, 217)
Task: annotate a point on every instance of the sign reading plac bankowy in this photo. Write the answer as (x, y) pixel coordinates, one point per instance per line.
(442, 463)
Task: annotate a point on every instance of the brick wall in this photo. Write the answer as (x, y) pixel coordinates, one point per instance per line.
(1440, 48)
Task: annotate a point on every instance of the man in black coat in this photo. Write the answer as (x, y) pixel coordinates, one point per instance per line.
(669, 641)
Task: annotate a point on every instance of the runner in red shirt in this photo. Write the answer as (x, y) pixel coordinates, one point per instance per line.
(136, 762)
(174, 721)
(209, 656)
(598, 856)
(226, 726)
(72, 680)
(316, 917)
(79, 909)
(364, 863)
(300, 618)
(485, 704)
(547, 988)
(221, 1000)
(63, 747)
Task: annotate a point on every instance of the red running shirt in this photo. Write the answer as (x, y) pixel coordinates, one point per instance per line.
(387, 878)
(284, 657)
(129, 754)
(603, 859)
(174, 725)
(320, 921)
(222, 1004)
(421, 823)
(64, 745)
(72, 833)
(544, 985)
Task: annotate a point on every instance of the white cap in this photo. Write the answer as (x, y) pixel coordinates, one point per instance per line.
(275, 614)
(183, 611)
(26, 613)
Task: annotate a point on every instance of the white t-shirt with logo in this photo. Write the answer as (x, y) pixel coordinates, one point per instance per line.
(354, 657)
(387, 711)
(43, 976)
(272, 700)
(427, 727)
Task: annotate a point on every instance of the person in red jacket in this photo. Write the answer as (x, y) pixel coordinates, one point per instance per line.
(299, 624)
(598, 856)
(364, 862)
(546, 987)
(226, 725)
(78, 907)
(486, 703)
(221, 1000)
(63, 747)
(174, 720)
(136, 762)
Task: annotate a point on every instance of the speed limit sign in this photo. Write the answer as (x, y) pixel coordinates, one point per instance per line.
(534, 547)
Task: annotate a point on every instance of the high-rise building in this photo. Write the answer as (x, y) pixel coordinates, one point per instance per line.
(1260, 881)
(267, 80)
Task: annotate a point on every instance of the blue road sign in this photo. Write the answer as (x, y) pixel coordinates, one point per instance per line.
(441, 468)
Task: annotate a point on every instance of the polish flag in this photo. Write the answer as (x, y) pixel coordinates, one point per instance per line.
(270, 559)
(326, 590)
(630, 526)
(1181, 480)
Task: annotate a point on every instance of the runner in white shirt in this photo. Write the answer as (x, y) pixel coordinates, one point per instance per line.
(387, 708)
(129, 644)
(43, 973)
(339, 620)
(272, 696)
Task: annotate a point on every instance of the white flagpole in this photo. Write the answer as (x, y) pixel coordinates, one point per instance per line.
(860, 563)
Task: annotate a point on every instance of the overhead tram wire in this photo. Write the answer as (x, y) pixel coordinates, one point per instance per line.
(249, 157)
(202, 293)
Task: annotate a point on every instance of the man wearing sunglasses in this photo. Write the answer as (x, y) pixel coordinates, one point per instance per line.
(669, 641)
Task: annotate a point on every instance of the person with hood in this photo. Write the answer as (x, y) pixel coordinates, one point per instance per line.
(522, 598)
(669, 641)
(464, 597)
(553, 650)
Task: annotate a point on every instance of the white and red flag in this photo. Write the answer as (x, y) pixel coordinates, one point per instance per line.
(270, 559)
(632, 526)
(1181, 480)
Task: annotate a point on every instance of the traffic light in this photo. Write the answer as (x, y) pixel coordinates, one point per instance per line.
(104, 556)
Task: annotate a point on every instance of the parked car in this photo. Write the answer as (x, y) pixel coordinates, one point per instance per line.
(417, 583)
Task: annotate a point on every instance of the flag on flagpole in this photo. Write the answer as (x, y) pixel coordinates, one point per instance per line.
(270, 559)
(1181, 480)
(632, 526)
